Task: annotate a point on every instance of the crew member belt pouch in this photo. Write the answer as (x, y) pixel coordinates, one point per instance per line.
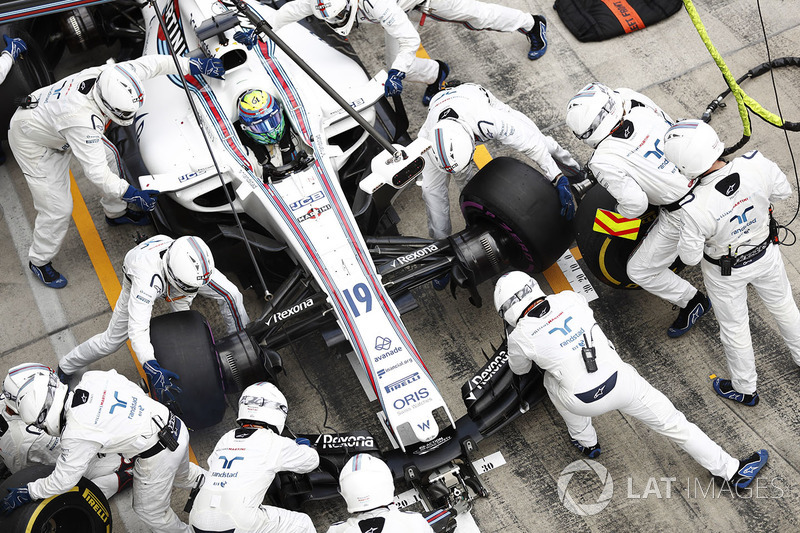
(168, 434)
(598, 20)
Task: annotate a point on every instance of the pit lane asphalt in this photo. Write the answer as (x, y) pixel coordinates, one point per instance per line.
(667, 62)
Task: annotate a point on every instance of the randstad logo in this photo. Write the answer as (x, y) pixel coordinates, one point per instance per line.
(585, 509)
(382, 343)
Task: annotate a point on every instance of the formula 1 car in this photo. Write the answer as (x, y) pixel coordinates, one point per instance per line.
(319, 236)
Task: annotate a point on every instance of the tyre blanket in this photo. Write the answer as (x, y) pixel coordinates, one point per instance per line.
(598, 20)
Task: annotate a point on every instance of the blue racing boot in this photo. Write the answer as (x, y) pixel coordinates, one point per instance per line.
(687, 316)
(592, 452)
(49, 275)
(724, 388)
(538, 37)
(438, 85)
(749, 467)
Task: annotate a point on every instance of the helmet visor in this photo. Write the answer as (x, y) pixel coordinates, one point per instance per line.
(604, 112)
(339, 20)
(48, 402)
(260, 401)
(516, 297)
(119, 113)
(178, 284)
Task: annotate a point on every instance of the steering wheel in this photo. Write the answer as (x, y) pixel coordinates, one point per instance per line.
(301, 162)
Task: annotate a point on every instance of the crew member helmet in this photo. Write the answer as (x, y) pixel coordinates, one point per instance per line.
(513, 293)
(453, 145)
(365, 483)
(693, 146)
(40, 402)
(594, 112)
(338, 14)
(188, 264)
(262, 403)
(261, 117)
(17, 377)
(119, 93)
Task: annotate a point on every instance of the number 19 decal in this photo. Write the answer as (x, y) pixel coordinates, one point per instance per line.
(362, 294)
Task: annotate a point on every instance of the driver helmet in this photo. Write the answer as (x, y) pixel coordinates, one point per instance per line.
(453, 145)
(188, 264)
(693, 146)
(338, 14)
(262, 403)
(119, 93)
(594, 112)
(365, 483)
(17, 377)
(261, 116)
(40, 402)
(514, 292)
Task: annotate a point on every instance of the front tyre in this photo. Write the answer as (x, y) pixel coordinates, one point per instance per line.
(82, 509)
(522, 204)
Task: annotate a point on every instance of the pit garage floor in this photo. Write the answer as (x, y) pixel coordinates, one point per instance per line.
(655, 484)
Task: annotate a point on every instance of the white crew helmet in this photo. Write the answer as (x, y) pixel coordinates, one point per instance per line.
(594, 112)
(693, 146)
(453, 144)
(338, 14)
(40, 402)
(365, 483)
(119, 93)
(188, 264)
(514, 292)
(17, 377)
(263, 403)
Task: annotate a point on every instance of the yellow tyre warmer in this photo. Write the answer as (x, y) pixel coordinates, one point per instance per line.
(83, 509)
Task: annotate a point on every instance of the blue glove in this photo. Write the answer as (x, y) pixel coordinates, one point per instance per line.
(161, 381)
(247, 38)
(17, 497)
(565, 197)
(207, 67)
(15, 46)
(394, 83)
(302, 441)
(144, 200)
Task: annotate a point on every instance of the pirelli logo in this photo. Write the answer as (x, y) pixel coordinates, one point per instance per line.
(94, 503)
(616, 225)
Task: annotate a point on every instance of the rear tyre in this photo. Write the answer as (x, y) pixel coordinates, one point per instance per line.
(522, 204)
(83, 509)
(183, 344)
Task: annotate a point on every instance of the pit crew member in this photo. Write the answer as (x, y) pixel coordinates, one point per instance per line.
(460, 116)
(367, 486)
(160, 267)
(726, 228)
(107, 413)
(244, 463)
(68, 119)
(626, 130)
(585, 377)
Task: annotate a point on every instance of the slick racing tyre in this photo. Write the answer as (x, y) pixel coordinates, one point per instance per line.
(604, 239)
(82, 509)
(184, 345)
(520, 202)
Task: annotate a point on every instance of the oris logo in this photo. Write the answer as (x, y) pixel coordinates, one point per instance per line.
(307, 200)
(382, 343)
(410, 399)
(488, 372)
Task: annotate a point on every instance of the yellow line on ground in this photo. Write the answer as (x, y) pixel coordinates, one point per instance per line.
(101, 263)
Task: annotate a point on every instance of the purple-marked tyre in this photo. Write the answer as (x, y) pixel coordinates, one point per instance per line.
(522, 205)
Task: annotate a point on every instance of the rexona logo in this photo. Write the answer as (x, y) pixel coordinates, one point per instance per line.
(490, 370)
(307, 200)
(402, 382)
(286, 313)
(345, 441)
(415, 255)
(410, 399)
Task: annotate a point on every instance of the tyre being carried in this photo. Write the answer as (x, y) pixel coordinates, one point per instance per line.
(83, 509)
(520, 203)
